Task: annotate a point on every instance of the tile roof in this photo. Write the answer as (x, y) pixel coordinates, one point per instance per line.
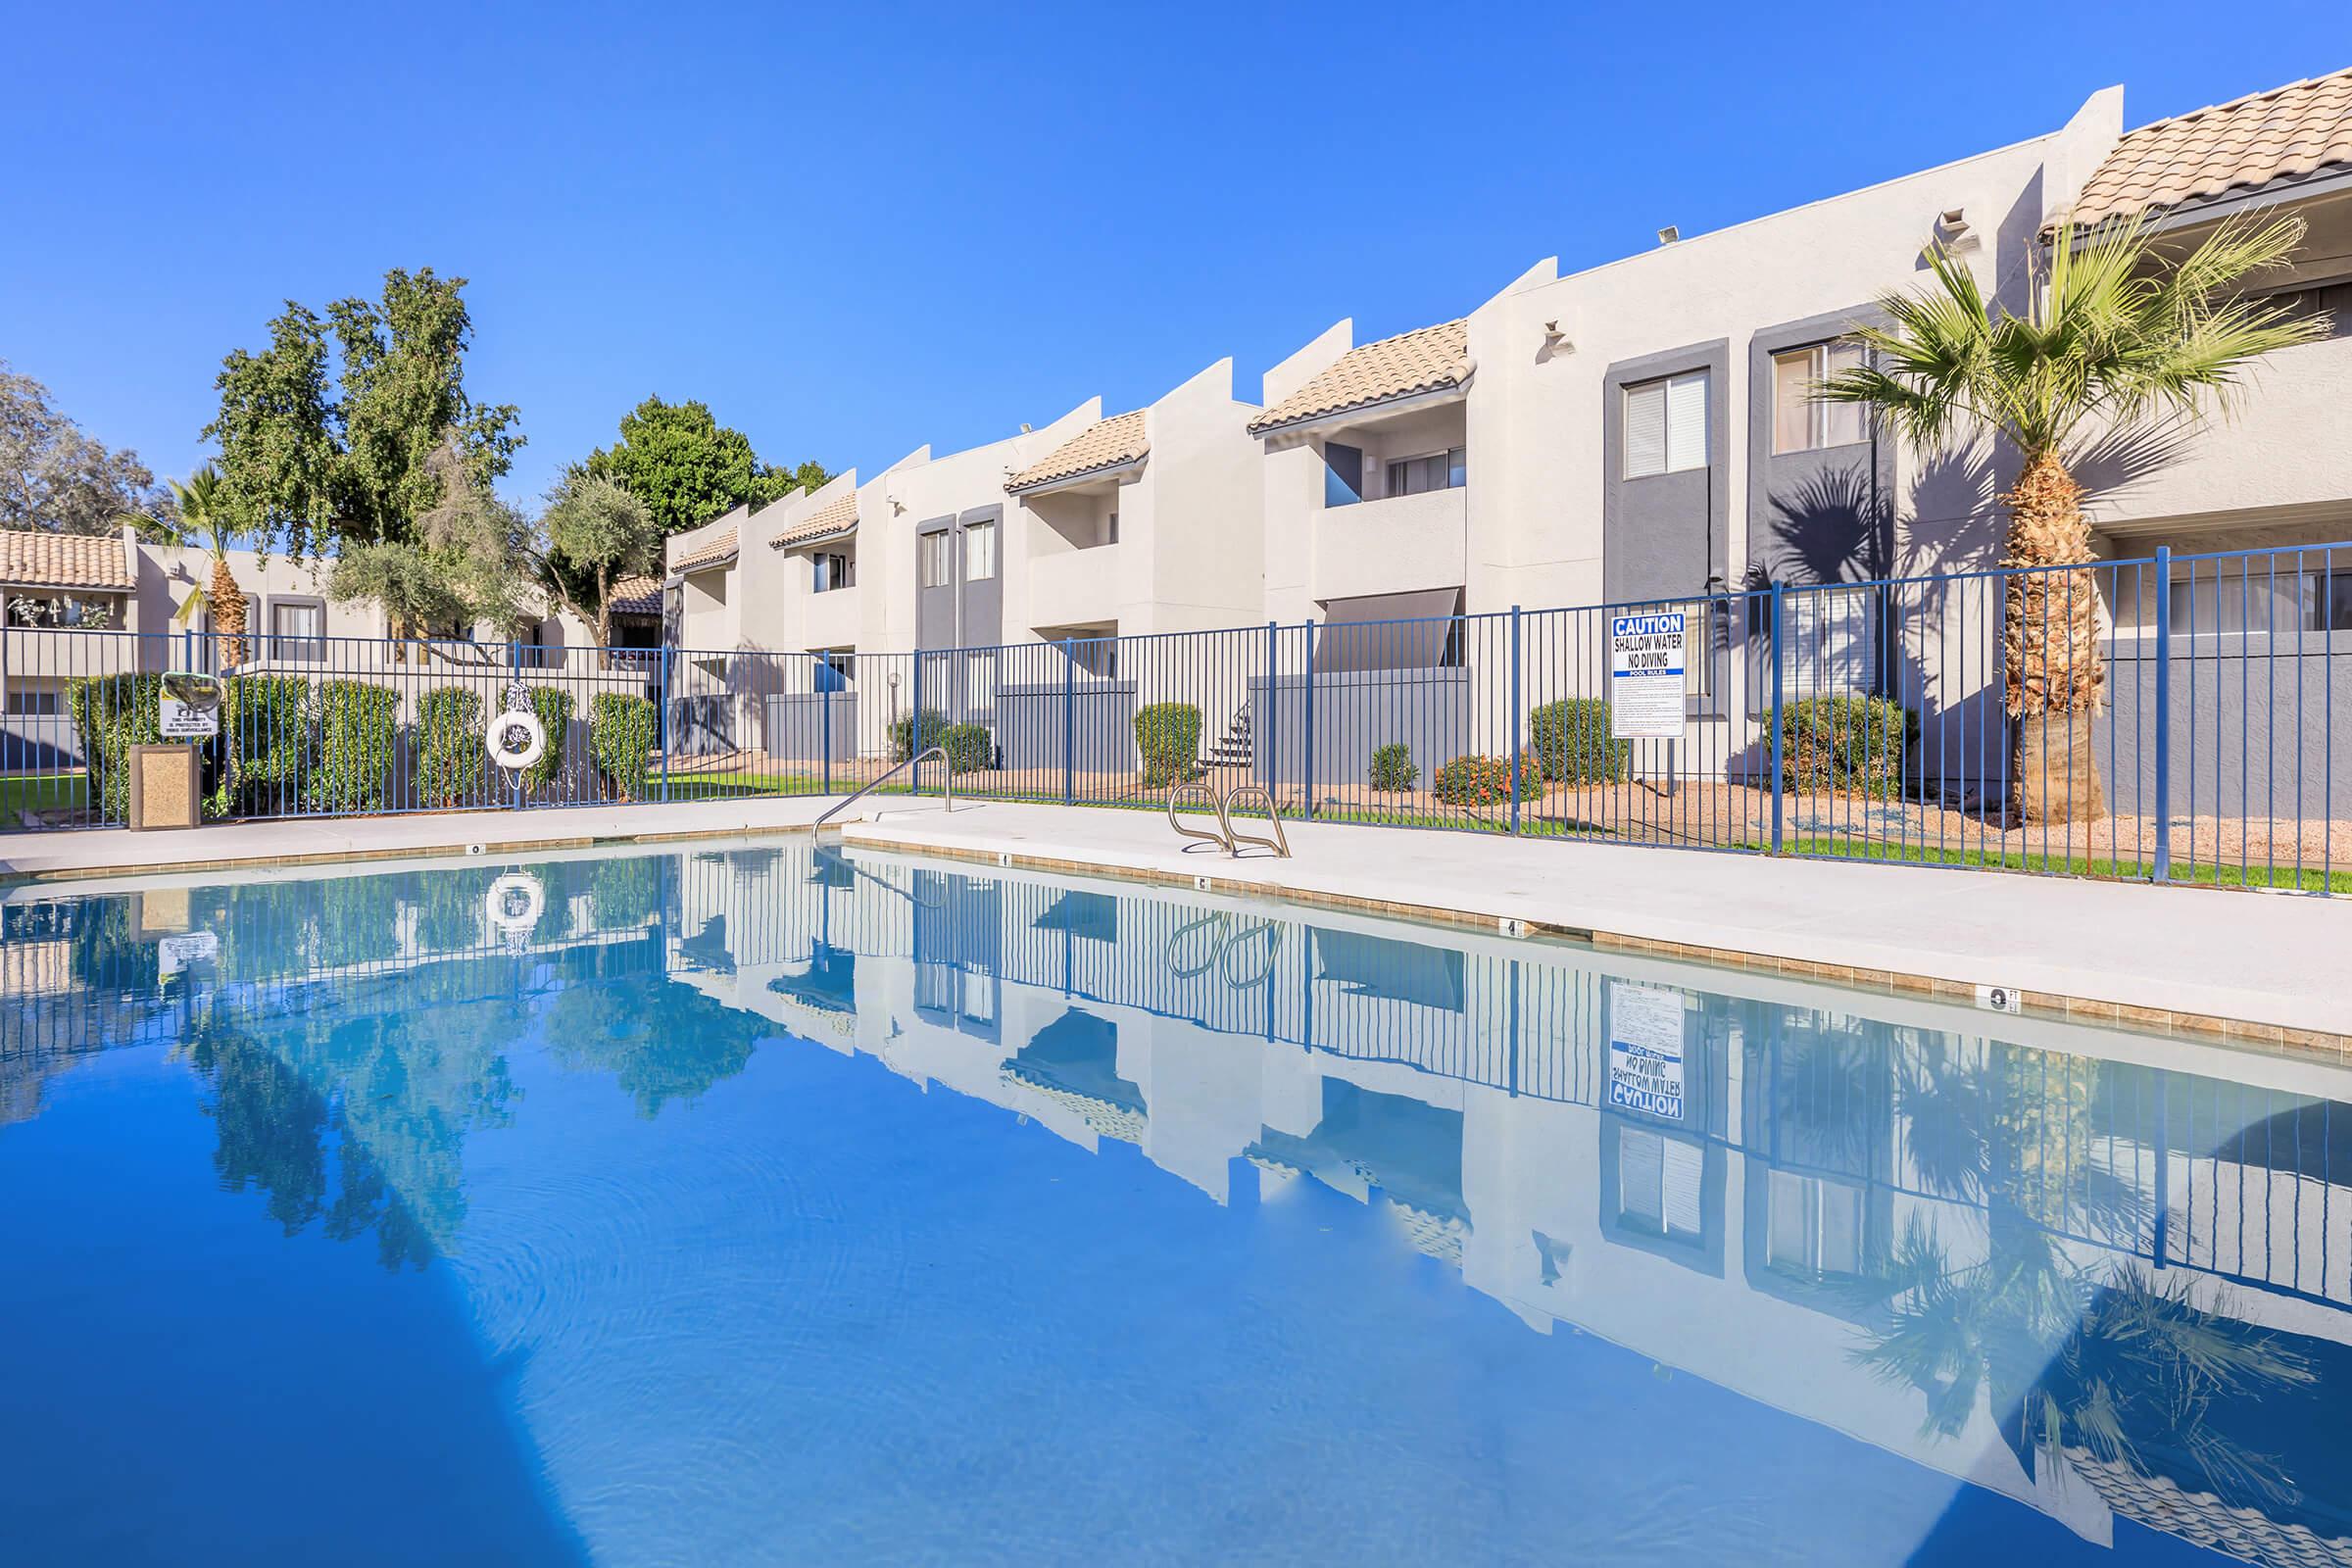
(2205, 1520)
(2286, 132)
(637, 595)
(719, 547)
(837, 516)
(33, 557)
(1104, 444)
(1432, 360)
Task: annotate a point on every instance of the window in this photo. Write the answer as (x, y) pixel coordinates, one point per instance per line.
(2255, 599)
(73, 615)
(1798, 423)
(2327, 601)
(1666, 425)
(298, 631)
(1342, 475)
(1441, 471)
(979, 551)
(33, 704)
(1812, 1228)
(1110, 527)
(937, 573)
(835, 571)
(1659, 1181)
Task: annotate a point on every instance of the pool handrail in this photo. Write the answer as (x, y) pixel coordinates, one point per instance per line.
(1222, 837)
(947, 788)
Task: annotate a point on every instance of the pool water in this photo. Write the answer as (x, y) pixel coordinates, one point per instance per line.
(777, 1205)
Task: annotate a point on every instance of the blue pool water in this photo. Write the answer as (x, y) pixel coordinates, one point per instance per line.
(770, 1206)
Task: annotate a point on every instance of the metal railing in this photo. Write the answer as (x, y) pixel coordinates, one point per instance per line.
(2166, 718)
(947, 785)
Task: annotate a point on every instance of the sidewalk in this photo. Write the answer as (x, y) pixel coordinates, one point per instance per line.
(2264, 968)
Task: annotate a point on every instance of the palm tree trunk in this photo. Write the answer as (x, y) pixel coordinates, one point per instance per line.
(227, 601)
(2056, 678)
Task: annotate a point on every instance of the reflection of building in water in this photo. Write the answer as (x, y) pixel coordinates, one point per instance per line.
(1733, 1181)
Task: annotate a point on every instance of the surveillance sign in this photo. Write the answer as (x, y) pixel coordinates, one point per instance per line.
(189, 706)
(1645, 1050)
(1647, 654)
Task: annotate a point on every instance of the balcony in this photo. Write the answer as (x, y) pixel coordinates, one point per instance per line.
(1392, 545)
(42, 653)
(831, 619)
(1074, 587)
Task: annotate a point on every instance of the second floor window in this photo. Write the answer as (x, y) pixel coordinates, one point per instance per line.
(937, 570)
(1798, 423)
(979, 551)
(1439, 471)
(298, 631)
(1666, 425)
(835, 571)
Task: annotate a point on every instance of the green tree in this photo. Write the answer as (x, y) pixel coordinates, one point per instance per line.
(596, 533)
(464, 562)
(310, 466)
(55, 477)
(2121, 337)
(689, 468)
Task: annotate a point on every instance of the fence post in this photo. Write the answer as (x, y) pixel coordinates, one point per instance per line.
(1306, 675)
(914, 729)
(2162, 869)
(1069, 717)
(1777, 758)
(825, 716)
(1514, 739)
(668, 656)
(1273, 705)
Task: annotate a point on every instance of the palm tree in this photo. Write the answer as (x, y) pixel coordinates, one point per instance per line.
(203, 521)
(2119, 339)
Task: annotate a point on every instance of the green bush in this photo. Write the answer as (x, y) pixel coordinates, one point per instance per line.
(622, 731)
(1573, 744)
(1850, 743)
(112, 713)
(918, 732)
(1394, 768)
(969, 747)
(1168, 736)
(1487, 780)
(449, 747)
(264, 749)
(553, 705)
(358, 727)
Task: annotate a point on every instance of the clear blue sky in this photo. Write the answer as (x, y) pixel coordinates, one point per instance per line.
(852, 230)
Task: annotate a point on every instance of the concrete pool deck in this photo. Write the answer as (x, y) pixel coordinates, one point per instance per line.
(2263, 969)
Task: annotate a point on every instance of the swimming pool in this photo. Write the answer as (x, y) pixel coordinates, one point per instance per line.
(776, 1205)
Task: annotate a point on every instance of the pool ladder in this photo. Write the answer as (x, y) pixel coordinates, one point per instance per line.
(1226, 836)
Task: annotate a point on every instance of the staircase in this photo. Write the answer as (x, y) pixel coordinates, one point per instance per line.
(1234, 749)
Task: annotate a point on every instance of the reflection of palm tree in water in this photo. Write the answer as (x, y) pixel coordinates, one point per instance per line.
(2097, 1359)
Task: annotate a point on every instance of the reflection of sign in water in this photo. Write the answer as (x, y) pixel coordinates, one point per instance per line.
(189, 706)
(175, 953)
(1828, 649)
(1645, 1050)
(1647, 654)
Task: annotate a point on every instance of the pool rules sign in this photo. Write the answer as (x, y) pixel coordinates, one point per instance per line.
(1647, 654)
(1645, 1050)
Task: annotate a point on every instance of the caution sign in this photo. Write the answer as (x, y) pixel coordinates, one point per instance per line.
(1647, 654)
(1645, 1050)
(188, 706)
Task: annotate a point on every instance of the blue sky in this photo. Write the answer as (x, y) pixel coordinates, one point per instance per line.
(853, 229)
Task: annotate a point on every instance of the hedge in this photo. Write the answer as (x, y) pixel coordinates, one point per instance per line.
(1487, 780)
(1168, 735)
(358, 727)
(969, 747)
(265, 747)
(1852, 744)
(449, 746)
(553, 705)
(918, 732)
(1394, 768)
(112, 713)
(1573, 744)
(623, 730)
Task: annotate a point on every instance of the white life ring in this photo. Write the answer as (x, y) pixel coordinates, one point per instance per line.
(515, 739)
(514, 901)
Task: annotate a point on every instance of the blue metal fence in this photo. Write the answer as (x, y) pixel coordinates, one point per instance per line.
(2172, 718)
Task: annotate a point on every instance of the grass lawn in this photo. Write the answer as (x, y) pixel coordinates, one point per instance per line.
(2310, 880)
(41, 792)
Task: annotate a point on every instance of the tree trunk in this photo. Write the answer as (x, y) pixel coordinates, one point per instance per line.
(227, 601)
(2056, 679)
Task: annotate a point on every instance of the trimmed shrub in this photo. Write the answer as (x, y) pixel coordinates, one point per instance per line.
(1168, 736)
(553, 705)
(623, 730)
(450, 754)
(264, 749)
(1487, 780)
(112, 713)
(1394, 768)
(1850, 743)
(359, 726)
(1573, 744)
(970, 748)
(918, 732)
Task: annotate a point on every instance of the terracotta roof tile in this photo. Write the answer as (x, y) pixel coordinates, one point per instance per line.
(2284, 134)
(32, 558)
(1104, 444)
(837, 516)
(637, 595)
(1432, 360)
(719, 547)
